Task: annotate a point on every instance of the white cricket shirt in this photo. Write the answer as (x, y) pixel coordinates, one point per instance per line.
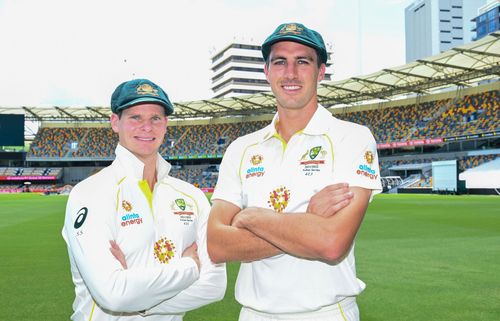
(152, 230)
(262, 170)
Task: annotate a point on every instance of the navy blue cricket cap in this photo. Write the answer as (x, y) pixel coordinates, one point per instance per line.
(139, 91)
(296, 32)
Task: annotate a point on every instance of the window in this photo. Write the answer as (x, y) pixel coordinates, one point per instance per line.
(492, 26)
(456, 17)
(445, 31)
(442, 20)
(458, 38)
(459, 28)
(444, 41)
(491, 14)
(444, 10)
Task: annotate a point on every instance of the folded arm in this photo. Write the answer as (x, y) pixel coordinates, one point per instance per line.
(229, 240)
(228, 243)
(87, 234)
(307, 235)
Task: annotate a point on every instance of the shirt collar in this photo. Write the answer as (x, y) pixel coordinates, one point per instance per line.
(318, 125)
(133, 166)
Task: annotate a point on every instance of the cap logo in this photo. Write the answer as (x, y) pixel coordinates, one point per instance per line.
(291, 28)
(146, 89)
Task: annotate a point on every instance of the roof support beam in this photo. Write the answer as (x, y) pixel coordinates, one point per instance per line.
(62, 111)
(195, 111)
(29, 111)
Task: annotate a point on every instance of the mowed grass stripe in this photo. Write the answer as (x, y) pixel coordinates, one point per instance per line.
(424, 257)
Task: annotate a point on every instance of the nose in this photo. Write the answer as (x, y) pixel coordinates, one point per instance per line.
(291, 70)
(147, 125)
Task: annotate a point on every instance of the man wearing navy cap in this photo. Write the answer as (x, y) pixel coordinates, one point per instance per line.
(136, 236)
(277, 206)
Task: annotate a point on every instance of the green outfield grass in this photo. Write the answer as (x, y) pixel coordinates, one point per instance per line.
(423, 257)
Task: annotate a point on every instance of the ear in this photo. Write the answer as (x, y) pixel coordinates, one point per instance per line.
(322, 71)
(114, 122)
(266, 71)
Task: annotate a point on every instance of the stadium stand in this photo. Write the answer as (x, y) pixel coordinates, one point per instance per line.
(449, 117)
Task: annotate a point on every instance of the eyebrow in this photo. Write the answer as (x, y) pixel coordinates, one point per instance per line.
(310, 58)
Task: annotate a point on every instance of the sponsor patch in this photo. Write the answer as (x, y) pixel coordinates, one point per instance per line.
(367, 171)
(164, 250)
(279, 198)
(131, 219)
(255, 170)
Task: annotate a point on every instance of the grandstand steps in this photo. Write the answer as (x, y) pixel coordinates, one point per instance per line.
(435, 114)
(177, 141)
(69, 151)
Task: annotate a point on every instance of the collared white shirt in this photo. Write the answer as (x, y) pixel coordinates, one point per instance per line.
(262, 170)
(152, 230)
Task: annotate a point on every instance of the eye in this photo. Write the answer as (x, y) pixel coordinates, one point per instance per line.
(279, 62)
(303, 62)
(135, 117)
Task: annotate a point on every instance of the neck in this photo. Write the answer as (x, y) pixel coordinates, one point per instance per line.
(293, 120)
(150, 174)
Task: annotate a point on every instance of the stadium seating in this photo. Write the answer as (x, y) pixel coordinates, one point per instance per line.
(472, 114)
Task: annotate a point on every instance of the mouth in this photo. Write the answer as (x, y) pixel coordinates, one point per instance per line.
(291, 87)
(145, 139)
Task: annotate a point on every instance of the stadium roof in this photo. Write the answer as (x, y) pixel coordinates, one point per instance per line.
(462, 66)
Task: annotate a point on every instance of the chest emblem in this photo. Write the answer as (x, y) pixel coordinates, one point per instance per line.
(126, 206)
(181, 207)
(255, 170)
(369, 157)
(164, 250)
(184, 209)
(279, 198)
(312, 160)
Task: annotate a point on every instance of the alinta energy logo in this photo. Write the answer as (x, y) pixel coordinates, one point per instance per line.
(130, 218)
(164, 250)
(279, 198)
(256, 170)
(365, 169)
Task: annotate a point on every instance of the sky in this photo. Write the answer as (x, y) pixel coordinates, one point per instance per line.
(75, 52)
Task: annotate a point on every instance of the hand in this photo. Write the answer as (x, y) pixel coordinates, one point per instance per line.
(118, 254)
(330, 200)
(243, 217)
(192, 252)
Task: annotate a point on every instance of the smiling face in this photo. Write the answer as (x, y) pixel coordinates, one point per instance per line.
(141, 129)
(293, 74)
